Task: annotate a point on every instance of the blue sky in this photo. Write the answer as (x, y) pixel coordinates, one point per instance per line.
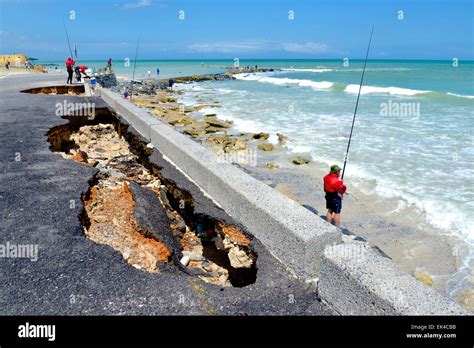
(239, 28)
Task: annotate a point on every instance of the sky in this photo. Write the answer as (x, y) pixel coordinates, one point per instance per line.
(228, 29)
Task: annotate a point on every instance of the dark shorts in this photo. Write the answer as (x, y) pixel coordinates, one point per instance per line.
(333, 202)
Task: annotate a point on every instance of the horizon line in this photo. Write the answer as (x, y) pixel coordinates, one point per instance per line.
(266, 59)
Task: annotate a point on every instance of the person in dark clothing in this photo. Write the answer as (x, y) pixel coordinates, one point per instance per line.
(78, 74)
(69, 66)
(170, 83)
(335, 189)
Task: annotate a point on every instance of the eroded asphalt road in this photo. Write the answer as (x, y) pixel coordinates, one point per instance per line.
(40, 201)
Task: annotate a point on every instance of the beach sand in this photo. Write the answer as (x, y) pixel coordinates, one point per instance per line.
(17, 71)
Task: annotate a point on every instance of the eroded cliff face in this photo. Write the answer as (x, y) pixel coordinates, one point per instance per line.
(198, 245)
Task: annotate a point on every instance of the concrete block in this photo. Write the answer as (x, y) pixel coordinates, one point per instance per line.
(139, 118)
(357, 281)
(109, 97)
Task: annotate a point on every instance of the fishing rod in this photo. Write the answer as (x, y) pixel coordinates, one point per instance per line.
(69, 45)
(134, 67)
(357, 104)
(70, 50)
(67, 36)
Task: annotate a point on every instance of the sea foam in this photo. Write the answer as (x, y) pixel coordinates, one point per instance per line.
(354, 88)
(461, 96)
(284, 81)
(320, 70)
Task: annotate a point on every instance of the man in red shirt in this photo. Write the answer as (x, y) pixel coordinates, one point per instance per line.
(69, 66)
(335, 189)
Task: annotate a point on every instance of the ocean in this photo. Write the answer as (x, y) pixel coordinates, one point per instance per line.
(413, 140)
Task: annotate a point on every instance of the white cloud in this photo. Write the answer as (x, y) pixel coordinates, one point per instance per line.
(137, 4)
(306, 47)
(259, 46)
(228, 47)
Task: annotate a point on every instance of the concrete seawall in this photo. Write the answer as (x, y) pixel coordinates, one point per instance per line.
(359, 282)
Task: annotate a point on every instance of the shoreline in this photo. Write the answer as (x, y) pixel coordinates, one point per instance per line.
(419, 252)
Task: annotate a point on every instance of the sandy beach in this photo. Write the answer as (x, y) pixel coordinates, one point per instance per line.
(17, 71)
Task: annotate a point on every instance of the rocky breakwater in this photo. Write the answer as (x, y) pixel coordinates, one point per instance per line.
(152, 85)
(208, 129)
(106, 80)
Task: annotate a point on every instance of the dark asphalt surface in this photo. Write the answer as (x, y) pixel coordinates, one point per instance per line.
(76, 276)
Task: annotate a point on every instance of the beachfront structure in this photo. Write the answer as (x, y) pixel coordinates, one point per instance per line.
(13, 58)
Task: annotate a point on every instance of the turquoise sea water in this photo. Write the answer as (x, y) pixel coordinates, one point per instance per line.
(413, 140)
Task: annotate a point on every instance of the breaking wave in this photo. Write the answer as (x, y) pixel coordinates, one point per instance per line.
(284, 81)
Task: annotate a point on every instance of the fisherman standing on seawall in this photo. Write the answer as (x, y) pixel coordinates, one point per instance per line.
(335, 189)
(69, 66)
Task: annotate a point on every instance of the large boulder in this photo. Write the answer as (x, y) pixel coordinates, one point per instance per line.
(281, 138)
(266, 147)
(261, 136)
(300, 160)
(107, 80)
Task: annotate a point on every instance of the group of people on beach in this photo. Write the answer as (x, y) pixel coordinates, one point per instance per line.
(27, 65)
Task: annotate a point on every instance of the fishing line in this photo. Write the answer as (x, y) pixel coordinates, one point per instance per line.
(134, 67)
(357, 104)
